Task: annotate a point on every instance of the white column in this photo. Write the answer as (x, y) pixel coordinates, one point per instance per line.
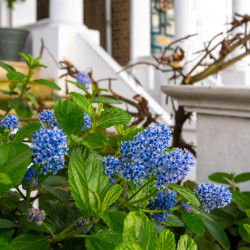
(66, 10)
(241, 7)
(139, 29)
(185, 18)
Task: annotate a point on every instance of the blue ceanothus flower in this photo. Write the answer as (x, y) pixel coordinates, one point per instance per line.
(47, 118)
(212, 196)
(81, 223)
(35, 215)
(186, 207)
(49, 146)
(10, 122)
(83, 79)
(147, 154)
(87, 121)
(163, 201)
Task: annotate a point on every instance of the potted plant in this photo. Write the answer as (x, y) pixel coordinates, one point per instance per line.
(12, 40)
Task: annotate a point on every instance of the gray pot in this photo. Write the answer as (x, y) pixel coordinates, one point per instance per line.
(12, 42)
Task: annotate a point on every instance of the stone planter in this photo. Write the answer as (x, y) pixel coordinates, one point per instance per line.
(223, 127)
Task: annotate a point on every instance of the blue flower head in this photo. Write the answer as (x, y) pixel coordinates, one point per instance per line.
(81, 223)
(49, 146)
(30, 175)
(163, 201)
(212, 196)
(87, 121)
(83, 79)
(186, 207)
(146, 155)
(35, 215)
(47, 118)
(10, 122)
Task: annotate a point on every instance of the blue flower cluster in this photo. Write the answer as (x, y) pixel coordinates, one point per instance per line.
(147, 154)
(30, 175)
(10, 122)
(83, 79)
(163, 201)
(49, 146)
(82, 223)
(87, 121)
(212, 196)
(186, 207)
(35, 215)
(47, 118)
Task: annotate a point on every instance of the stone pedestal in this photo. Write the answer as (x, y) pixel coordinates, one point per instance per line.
(223, 127)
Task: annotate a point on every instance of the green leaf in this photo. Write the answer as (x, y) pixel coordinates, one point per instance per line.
(186, 243)
(243, 231)
(48, 83)
(82, 87)
(247, 228)
(69, 116)
(55, 181)
(214, 229)
(57, 193)
(95, 141)
(138, 229)
(6, 224)
(15, 76)
(26, 131)
(86, 173)
(220, 177)
(206, 244)
(21, 107)
(32, 98)
(30, 241)
(7, 233)
(83, 103)
(166, 240)
(4, 244)
(128, 246)
(14, 160)
(173, 221)
(112, 116)
(106, 100)
(4, 105)
(103, 239)
(242, 177)
(114, 220)
(193, 223)
(111, 196)
(240, 199)
(6, 66)
(186, 193)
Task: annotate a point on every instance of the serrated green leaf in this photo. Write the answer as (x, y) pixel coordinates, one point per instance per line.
(214, 229)
(220, 177)
(48, 83)
(186, 193)
(30, 241)
(83, 103)
(15, 76)
(128, 246)
(21, 107)
(111, 196)
(105, 100)
(14, 160)
(103, 239)
(86, 173)
(243, 231)
(26, 131)
(242, 177)
(173, 221)
(247, 228)
(138, 229)
(6, 224)
(114, 220)
(186, 243)
(95, 141)
(193, 223)
(240, 199)
(112, 116)
(69, 116)
(6, 66)
(166, 240)
(32, 98)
